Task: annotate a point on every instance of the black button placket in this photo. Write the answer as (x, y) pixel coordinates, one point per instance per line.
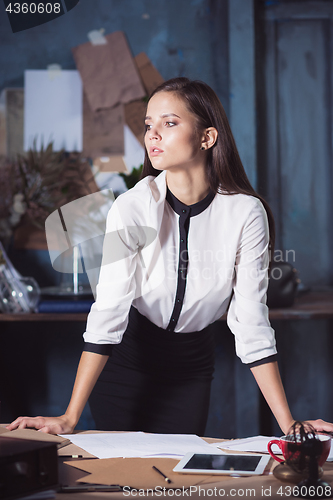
(184, 224)
(185, 212)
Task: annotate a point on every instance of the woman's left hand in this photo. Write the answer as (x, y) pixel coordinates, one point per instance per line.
(321, 426)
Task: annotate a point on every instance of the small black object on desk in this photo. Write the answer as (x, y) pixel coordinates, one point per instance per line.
(27, 467)
(305, 450)
(166, 479)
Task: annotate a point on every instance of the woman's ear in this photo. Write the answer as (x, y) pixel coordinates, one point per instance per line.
(209, 138)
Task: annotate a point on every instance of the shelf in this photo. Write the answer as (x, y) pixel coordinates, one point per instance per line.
(44, 317)
(309, 305)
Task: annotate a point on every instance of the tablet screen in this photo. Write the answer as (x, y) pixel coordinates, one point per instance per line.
(202, 463)
(223, 462)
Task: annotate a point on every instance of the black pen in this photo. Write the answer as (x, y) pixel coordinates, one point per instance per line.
(160, 472)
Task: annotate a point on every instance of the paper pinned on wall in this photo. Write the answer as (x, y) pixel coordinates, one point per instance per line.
(108, 72)
(150, 76)
(103, 130)
(53, 110)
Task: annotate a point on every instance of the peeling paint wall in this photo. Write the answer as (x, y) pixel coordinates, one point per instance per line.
(181, 37)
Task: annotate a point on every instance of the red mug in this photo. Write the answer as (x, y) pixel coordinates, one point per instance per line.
(284, 441)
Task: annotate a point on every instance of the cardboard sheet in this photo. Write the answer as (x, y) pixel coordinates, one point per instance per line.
(150, 76)
(11, 122)
(3, 131)
(113, 163)
(53, 110)
(138, 473)
(108, 72)
(133, 156)
(135, 113)
(34, 435)
(103, 130)
(73, 450)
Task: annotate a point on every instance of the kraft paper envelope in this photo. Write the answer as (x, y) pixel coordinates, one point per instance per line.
(138, 473)
(103, 130)
(135, 113)
(108, 72)
(150, 77)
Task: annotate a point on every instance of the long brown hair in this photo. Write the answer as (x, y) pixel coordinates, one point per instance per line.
(225, 171)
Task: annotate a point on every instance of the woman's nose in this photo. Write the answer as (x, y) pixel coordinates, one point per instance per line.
(154, 133)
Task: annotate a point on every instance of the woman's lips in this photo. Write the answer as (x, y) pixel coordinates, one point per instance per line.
(154, 151)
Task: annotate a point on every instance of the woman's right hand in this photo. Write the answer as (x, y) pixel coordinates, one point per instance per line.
(50, 425)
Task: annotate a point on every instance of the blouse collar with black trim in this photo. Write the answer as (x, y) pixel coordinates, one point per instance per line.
(195, 209)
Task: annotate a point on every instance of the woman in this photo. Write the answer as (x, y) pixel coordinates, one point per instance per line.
(193, 239)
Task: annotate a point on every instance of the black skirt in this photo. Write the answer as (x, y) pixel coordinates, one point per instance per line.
(155, 381)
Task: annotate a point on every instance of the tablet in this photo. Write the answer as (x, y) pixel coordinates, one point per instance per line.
(235, 465)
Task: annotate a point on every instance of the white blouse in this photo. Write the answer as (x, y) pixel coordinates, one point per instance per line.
(181, 266)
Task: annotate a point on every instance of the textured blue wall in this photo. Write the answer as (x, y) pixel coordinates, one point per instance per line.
(181, 37)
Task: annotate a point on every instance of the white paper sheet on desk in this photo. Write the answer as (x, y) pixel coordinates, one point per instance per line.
(140, 444)
(250, 444)
(255, 444)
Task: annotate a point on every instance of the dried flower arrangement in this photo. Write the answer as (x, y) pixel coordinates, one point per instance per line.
(37, 183)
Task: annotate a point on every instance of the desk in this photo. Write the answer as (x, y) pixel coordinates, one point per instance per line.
(254, 487)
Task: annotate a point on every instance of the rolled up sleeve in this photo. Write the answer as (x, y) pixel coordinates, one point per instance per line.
(248, 314)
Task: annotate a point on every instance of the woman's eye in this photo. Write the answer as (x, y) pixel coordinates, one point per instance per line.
(170, 124)
(147, 127)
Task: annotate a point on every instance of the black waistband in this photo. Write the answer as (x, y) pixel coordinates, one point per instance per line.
(150, 334)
